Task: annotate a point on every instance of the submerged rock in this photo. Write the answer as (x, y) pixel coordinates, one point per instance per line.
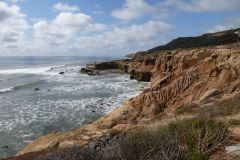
(5, 147)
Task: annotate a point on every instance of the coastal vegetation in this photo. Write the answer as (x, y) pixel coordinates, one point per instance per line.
(205, 40)
(193, 139)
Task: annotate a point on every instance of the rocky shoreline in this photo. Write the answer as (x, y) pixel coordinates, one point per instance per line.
(178, 78)
(118, 66)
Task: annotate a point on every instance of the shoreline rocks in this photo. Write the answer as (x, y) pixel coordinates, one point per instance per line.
(105, 68)
(119, 66)
(89, 71)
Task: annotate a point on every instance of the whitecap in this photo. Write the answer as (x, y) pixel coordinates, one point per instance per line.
(37, 71)
(6, 89)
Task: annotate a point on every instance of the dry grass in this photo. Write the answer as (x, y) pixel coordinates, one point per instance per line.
(223, 108)
(193, 139)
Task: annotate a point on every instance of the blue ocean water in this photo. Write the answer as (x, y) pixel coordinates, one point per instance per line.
(60, 103)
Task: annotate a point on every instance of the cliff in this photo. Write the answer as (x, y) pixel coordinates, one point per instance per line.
(178, 77)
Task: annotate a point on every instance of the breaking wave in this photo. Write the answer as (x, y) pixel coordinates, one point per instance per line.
(35, 71)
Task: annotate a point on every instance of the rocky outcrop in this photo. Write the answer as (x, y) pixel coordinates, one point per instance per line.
(89, 71)
(140, 76)
(177, 78)
(111, 66)
(123, 65)
(108, 65)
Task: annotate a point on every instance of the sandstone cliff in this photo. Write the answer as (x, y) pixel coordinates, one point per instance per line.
(177, 78)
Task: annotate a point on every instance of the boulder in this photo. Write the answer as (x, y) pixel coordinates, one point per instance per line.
(5, 147)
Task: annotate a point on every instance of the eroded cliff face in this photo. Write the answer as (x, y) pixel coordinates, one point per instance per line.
(177, 78)
(188, 76)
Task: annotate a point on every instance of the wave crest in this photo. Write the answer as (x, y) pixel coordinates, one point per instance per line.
(6, 89)
(37, 71)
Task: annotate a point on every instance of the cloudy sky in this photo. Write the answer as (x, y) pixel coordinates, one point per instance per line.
(106, 27)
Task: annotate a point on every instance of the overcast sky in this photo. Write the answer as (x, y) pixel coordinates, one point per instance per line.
(106, 27)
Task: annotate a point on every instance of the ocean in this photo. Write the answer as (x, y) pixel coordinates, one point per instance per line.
(36, 100)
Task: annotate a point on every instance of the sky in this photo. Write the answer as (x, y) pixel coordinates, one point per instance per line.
(106, 27)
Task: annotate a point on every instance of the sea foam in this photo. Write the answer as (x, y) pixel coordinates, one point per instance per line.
(37, 71)
(6, 89)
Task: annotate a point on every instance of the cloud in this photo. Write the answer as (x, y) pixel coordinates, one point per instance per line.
(66, 24)
(129, 39)
(65, 7)
(134, 34)
(74, 33)
(228, 23)
(63, 30)
(12, 25)
(114, 41)
(204, 5)
(133, 9)
(9, 11)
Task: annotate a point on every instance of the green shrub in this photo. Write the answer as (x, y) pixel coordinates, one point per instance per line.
(223, 108)
(186, 109)
(193, 139)
(150, 144)
(181, 110)
(201, 136)
(234, 122)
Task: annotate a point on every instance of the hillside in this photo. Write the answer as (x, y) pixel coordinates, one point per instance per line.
(205, 40)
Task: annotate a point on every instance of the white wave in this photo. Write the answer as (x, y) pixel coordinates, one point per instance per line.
(37, 71)
(6, 89)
